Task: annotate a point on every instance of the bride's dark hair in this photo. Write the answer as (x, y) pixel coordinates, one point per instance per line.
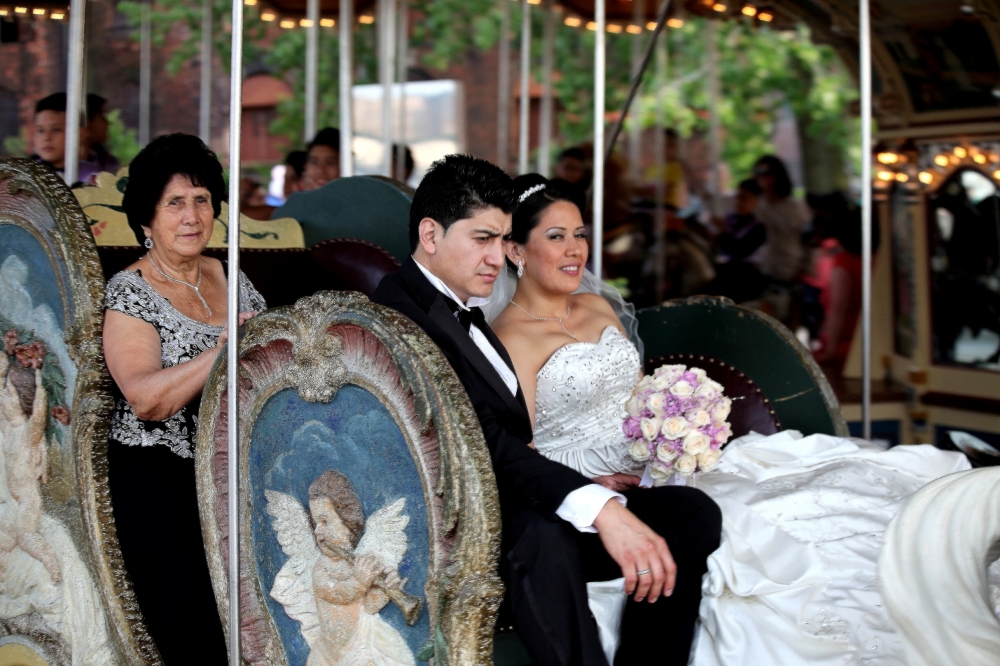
(544, 193)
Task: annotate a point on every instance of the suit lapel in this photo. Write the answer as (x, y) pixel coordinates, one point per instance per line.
(445, 318)
(432, 302)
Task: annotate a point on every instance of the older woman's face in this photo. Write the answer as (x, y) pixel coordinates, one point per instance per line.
(183, 221)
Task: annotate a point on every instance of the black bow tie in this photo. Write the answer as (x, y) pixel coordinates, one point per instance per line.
(467, 317)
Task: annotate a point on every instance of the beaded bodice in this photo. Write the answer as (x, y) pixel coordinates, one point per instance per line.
(181, 339)
(580, 404)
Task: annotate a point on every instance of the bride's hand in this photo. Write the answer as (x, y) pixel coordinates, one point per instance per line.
(618, 482)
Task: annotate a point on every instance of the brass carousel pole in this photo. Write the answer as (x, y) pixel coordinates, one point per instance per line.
(523, 127)
(232, 316)
(312, 67)
(866, 218)
(548, 64)
(346, 85)
(600, 39)
(74, 89)
(387, 71)
(205, 100)
(503, 86)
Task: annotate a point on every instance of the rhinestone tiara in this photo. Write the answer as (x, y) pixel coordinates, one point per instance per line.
(528, 192)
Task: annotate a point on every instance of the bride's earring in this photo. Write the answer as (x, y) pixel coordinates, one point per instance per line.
(520, 268)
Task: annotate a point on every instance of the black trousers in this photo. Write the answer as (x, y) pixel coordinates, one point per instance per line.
(548, 568)
(155, 506)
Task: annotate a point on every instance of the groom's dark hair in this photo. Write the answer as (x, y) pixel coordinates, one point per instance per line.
(457, 187)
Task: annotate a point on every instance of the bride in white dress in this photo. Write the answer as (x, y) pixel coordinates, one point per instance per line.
(795, 579)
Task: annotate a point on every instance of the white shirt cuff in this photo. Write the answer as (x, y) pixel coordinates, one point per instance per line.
(580, 507)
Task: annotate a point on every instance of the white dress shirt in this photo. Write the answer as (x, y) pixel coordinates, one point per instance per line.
(580, 507)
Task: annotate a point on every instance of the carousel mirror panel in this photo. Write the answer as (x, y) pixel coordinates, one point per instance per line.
(64, 598)
(964, 252)
(369, 525)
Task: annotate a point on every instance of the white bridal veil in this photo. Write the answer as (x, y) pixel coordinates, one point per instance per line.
(506, 284)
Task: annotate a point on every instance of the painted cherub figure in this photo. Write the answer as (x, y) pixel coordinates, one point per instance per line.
(25, 462)
(341, 573)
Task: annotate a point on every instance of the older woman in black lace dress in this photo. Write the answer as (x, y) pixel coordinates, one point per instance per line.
(164, 327)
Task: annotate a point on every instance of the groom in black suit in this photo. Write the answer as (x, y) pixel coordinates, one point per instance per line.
(560, 529)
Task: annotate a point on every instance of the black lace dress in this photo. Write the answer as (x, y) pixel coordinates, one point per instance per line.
(152, 482)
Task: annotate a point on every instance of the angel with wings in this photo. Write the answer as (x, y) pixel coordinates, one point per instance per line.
(341, 572)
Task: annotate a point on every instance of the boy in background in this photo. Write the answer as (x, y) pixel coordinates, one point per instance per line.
(48, 138)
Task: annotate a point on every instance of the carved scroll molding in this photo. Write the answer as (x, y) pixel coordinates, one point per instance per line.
(933, 570)
(34, 198)
(316, 347)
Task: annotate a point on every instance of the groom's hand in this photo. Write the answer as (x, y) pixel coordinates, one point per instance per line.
(635, 547)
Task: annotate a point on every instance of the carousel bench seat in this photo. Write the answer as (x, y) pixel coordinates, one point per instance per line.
(285, 275)
(368, 208)
(772, 377)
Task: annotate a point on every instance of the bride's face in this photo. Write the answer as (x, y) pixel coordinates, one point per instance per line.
(556, 251)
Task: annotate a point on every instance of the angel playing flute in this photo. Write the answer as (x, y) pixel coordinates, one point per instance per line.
(341, 573)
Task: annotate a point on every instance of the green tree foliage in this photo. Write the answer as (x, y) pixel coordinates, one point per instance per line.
(121, 140)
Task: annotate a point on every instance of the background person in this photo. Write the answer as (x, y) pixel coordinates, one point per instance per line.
(322, 159)
(408, 163)
(48, 138)
(164, 327)
(97, 135)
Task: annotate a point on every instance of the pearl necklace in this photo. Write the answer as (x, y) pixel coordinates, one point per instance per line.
(555, 319)
(196, 287)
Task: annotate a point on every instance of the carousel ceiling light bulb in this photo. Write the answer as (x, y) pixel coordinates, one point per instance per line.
(534, 2)
(719, 7)
(749, 10)
(287, 24)
(634, 29)
(614, 29)
(57, 16)
(38, 11)
(902, 177)
(766, 17)
(250, 3)
(885, 175)
(674, 23)
(4, 12)
(591, 26)
(305, 23)
(572, 21)
(652, 25)
(20, 10)
(960, 152)
(267, 16)
(996, 174)
(327, 22)
(941, 160)
(926, 177)
(979, 158)
(367, 19)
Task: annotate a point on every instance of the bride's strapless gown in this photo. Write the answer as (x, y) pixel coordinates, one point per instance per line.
(795, 579)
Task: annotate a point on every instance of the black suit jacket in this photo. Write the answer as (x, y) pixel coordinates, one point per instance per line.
(525, 478)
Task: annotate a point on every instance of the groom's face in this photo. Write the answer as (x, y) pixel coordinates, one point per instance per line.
(469, 256)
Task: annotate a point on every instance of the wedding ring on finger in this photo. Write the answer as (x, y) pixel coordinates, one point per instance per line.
(642, 573)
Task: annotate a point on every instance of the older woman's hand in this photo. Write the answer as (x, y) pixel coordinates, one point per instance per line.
(224, 336)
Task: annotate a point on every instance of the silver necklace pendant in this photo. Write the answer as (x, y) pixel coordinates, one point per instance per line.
(196, 287)
(555, 319)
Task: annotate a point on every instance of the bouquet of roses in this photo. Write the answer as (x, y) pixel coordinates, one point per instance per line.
(676, 422)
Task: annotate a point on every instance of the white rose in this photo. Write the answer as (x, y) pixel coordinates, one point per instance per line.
(699, 373)
(675, 427)
(656, 403)
(639, 451)
(707, 459)
(686, 465)
(659, 471)
(721, 410)
(682, 389)
(709, 389)
(650, 428)
(665, 454)
(724, 433)
(661, 383)
(633, 406)
(695, 442)
(644, 384)
(672, 372)
(699, 417)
